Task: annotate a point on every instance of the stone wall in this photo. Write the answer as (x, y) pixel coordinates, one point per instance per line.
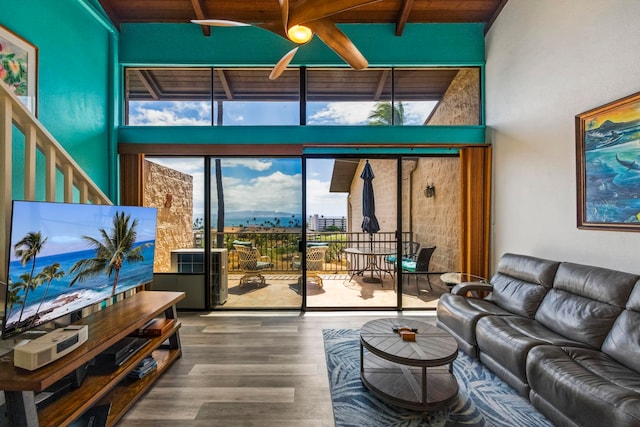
(172, 193)
(435, 221)
(460, 104)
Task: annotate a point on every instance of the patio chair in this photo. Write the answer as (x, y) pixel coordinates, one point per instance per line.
(314, 263)
(409, 253)
(419, 266)
(252, 263)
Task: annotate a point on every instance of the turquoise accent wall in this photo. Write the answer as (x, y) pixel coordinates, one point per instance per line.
(74, 77)
(184, 44)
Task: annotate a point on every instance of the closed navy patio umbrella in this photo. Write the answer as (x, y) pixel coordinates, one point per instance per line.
(369, 221)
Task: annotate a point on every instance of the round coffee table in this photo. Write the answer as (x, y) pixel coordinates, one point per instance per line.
(416, 375)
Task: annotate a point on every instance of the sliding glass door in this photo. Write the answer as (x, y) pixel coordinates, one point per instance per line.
(374, 232)
(351, 211)
(255, 225)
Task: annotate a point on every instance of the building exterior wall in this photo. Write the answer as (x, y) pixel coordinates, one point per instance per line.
(171, 192)
(434, 221)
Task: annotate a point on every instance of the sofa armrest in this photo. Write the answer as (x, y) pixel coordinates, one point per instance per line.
(465, 287)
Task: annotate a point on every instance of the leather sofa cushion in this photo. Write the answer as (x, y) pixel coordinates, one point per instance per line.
(596, 283)
(585, 301)
(521, 283)
(460, 314)
(508, 340)
(623, 341)
(586, 385)
(576, 317)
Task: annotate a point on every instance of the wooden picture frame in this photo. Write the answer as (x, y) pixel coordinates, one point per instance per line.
(19, 67)
(608, 166)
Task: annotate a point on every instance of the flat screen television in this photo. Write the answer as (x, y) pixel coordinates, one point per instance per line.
(64, 257)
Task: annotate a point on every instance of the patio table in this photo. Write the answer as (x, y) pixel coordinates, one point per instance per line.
(372, 265)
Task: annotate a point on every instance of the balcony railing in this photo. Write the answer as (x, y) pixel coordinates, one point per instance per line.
(282, 247)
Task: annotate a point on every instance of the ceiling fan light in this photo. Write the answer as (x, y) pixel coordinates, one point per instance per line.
(299, 34)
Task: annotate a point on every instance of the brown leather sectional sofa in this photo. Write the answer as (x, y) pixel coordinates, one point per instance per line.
(565, 335)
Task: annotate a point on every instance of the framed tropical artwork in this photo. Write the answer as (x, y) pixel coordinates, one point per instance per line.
(608, 166)
(19, 67)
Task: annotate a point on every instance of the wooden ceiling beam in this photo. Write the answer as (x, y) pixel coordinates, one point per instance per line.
(405, 10)
(149, 83)
(224, 81)
(380, 85)
(199, 10)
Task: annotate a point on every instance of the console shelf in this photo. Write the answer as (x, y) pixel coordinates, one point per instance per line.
(105, 328)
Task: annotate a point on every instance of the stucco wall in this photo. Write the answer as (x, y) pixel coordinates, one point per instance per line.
(172, 193)
(548, 60)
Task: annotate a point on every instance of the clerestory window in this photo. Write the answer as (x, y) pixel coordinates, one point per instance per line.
(305, 96)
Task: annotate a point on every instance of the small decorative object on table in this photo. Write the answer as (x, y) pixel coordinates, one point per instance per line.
(407, 333)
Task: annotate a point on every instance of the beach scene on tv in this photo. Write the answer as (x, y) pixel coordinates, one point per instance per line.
(64, 257)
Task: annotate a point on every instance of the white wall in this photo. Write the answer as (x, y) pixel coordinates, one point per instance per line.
(548, 60)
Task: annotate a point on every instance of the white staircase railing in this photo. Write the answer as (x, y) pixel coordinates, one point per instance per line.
(37, 142)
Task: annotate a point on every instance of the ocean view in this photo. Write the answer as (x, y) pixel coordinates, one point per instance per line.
(260, 219)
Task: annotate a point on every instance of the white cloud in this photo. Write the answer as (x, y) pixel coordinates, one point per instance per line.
(343, 113)
(416, 112)
(273, 192)
(170, 114)
(253, 164)
(320, 201)
(357, 113)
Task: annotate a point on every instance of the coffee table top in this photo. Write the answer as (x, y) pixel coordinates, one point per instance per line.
(432, 347)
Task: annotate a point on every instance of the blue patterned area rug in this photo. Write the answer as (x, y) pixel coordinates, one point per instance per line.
(483, 399)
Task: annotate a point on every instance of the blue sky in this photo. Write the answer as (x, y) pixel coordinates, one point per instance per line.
(238, 113)
(64, 224)
(265, 184)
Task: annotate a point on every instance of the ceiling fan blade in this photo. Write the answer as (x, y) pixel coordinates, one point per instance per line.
(309, 10)
(338, 42)
(283, 64)
(219, 23)
(284, 8)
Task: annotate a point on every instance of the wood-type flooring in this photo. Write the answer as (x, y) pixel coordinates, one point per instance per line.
(264, 369)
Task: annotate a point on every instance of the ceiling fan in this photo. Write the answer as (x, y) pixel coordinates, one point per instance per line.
(300, 21)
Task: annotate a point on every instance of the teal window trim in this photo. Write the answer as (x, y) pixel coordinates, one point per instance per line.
(306, 135)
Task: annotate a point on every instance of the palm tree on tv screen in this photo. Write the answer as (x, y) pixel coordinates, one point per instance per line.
(27, 283)
(12, 296)
(27, 249)
(116, 248)
(48, 274)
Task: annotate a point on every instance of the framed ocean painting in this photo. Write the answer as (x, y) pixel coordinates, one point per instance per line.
(608, 166)
(19, 67)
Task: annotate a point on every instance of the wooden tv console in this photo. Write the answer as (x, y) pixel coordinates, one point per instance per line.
(106, 327)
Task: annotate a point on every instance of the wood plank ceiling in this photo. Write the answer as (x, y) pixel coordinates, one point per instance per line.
(230, 84)
(399, 12)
